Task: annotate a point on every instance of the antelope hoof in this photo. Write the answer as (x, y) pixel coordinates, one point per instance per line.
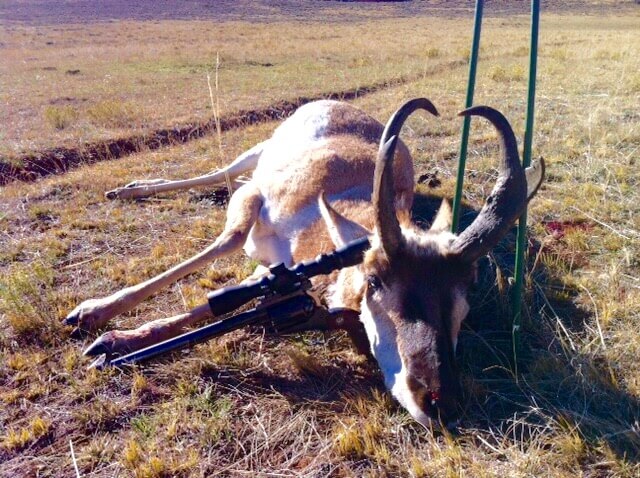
(71, 319)
(126, 192)
(140, 188)
(113, 194)
(102, 345)
(118, 342)
(111, 343)
(89, 315)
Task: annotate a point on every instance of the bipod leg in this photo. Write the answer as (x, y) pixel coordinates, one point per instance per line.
(188, 339)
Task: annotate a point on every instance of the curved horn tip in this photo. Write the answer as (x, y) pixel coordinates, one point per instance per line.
(424, 103)
(431, 108)
(420, 103)
(479, 110)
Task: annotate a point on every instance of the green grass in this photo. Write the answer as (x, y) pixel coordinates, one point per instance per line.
(112, 113)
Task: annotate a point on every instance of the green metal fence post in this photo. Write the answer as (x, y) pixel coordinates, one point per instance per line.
(473, 62)
(521, 242)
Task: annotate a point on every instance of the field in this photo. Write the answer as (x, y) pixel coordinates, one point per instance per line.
(567, 405)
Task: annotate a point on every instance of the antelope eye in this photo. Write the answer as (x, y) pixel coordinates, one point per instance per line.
(373, 283)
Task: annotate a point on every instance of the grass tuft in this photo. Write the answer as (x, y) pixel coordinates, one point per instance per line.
(633, 84)
(132, 454)
(20, 438)
(60, 117)
(501, 74)
(112, 114)
(433, 52)
(28, 301)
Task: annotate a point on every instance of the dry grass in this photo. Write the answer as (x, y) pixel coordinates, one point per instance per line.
(120, 78)
(112, 114)
(60, 117)
(307, 405)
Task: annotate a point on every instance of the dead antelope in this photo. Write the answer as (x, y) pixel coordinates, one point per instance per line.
(316, 186)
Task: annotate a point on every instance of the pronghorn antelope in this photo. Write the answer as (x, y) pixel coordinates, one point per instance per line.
(316, 185)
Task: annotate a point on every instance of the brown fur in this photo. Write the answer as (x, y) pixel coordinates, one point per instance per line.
(347, 160)
(345, 119)
(315, 239)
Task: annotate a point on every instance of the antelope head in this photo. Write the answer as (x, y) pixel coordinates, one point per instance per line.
(413, 283)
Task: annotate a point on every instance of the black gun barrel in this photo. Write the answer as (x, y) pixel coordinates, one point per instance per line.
(282, 280)
(281, 314)
(296, 308)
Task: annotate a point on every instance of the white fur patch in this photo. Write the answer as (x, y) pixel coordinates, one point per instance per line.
(266, 247)
(304, 130)
(308, 123)
(350, 282)
(384, 343)
(384, 347)
(403, 394)
(459, 311)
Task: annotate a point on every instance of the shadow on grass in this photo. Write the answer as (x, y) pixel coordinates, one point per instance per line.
(324, 387)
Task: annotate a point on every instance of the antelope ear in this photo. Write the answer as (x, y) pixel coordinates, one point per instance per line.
(341, 230)
(535, 175)
(443, 219)
(404, 202)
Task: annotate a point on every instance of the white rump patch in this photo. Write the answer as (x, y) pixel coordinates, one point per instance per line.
(302, 131)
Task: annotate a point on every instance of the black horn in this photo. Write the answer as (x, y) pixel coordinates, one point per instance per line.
(383, 186)
(507, 200)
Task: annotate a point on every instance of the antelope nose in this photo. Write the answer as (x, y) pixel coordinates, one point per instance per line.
(446, 410)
